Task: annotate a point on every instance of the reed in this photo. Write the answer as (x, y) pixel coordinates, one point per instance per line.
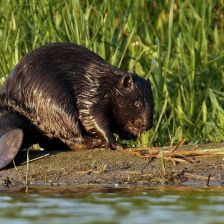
(178, 45)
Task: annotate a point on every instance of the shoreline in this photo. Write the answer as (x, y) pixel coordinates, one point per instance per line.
(202, 165)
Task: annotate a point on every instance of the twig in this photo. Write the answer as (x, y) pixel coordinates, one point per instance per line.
(209, 176)
(19, 175)
(178, 145)
(27, 169)
(200, 177)
(155, 152)
(40, 157)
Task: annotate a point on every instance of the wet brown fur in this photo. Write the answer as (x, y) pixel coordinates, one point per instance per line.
(65, 92)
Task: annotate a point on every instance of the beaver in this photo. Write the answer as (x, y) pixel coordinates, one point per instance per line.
(63, 92)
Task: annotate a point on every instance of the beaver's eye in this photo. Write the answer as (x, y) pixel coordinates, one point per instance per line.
(138, 104)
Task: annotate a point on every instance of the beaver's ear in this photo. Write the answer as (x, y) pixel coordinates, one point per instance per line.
(127, 81)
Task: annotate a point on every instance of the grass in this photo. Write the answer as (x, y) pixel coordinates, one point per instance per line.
(178, 45)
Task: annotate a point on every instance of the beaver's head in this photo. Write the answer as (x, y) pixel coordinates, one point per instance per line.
(133, 107)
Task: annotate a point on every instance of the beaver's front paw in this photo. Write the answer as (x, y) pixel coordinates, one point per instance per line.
(116, 146)
(93, 142)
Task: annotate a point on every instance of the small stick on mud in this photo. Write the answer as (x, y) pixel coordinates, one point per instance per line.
(179, 145)
(40, 157)
(200, 177)
(208, 181)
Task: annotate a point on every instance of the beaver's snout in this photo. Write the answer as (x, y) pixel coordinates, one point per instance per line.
(139, 126)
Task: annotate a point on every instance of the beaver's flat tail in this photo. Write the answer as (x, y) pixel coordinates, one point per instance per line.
(10, 143)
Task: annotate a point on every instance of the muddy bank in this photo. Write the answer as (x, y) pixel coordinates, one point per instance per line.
(197, 165)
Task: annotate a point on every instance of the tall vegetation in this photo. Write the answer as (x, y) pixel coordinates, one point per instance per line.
(177, 44)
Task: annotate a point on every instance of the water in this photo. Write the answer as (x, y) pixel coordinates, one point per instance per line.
(113, 205)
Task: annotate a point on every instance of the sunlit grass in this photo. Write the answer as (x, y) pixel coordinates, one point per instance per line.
(178, 45)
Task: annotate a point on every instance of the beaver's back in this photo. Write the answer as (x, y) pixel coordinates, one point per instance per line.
(44, 86)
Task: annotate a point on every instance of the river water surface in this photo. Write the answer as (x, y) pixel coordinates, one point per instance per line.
(113, 205)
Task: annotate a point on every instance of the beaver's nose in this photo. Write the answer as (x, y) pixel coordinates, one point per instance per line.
(143, 125)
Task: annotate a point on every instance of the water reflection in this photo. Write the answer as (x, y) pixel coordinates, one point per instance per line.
(105, 205)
